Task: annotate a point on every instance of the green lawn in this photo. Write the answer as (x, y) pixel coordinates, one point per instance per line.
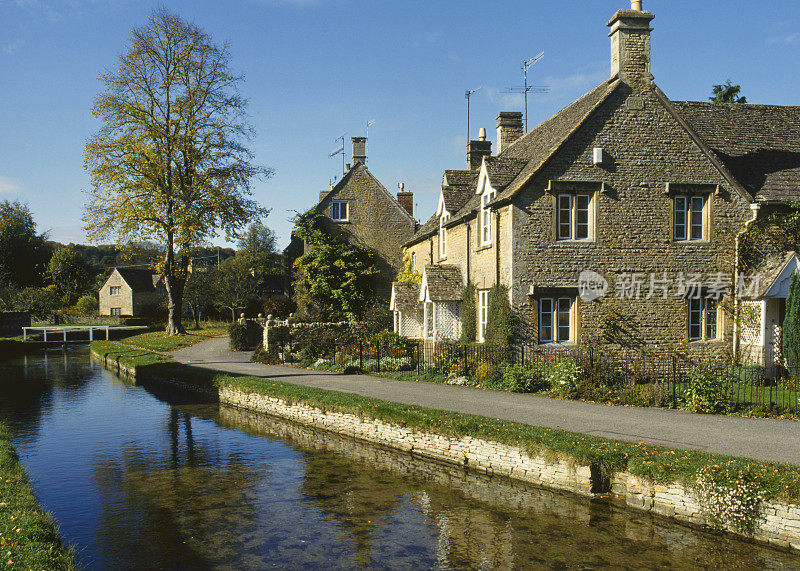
(28, 536)
(160, 341)
(659, 464)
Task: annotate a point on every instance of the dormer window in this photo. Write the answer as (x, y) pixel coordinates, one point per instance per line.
(485, 218)
(339, 210)
(443, 235)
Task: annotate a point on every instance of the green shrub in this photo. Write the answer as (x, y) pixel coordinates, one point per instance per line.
(709, 390)
(388, 340)
(469, 315)
(651, 394)
(87, 304)
(522, 379)
(238, 336)
(499, 325)
(487, 373)
(791, 327)
(279, 307)
(564, 378)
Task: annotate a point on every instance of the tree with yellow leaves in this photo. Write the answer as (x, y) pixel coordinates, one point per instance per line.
(170, 162)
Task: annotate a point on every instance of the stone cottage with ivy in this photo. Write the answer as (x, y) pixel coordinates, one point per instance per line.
(362, 211)
(619, 220)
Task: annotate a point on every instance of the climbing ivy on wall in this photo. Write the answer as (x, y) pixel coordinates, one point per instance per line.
(333, 280)
(469, 314)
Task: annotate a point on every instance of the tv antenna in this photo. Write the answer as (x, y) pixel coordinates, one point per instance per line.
(366, 145)
(340, 150)
(525, 89)
(467, 94)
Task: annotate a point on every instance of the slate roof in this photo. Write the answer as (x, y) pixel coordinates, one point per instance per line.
(444, 282)
(139, 280)
(759, 144)
(509, 170)
(405, 296)
(769, 269)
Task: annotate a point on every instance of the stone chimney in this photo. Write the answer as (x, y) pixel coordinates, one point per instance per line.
(359, 150)
(406, 199)
(476, 150)
(509, 129)
(630, 45)
(324, 193)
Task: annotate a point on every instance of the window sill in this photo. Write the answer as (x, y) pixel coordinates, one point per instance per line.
(574, 241)
(692, 242)
(340, 221)
(557, 344)
(717, 341)
(483, 247)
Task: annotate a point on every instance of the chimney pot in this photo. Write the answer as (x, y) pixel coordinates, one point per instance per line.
(476, 150)
(359, 150)
(509, 129)
(405, 199)
(630, 45)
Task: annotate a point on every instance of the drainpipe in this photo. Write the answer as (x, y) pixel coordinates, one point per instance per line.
(430, 240)
(468, 245)
(497, 248)
(737, 302)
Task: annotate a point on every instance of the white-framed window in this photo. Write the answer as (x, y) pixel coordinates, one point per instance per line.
(703, 319)
(443, 235)
(339, 210)
(555, 319)
(115, 290)
(413, 260)
(689, 217)
(485, 218)
(483, 313)
(116, 311)
(573, 216)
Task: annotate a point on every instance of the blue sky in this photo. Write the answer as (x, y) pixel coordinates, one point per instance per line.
(318, 68)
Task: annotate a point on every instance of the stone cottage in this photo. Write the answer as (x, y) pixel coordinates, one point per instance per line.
(131, 292)
(618, 219)
(361, 209)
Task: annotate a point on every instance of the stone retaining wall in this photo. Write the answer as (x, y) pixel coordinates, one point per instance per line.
(780, 526)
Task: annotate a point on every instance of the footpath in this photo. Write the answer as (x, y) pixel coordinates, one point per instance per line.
(772, 440)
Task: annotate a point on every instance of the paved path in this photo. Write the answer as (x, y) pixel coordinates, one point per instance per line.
(762, 439)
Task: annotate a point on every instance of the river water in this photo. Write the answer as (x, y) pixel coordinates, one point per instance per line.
(141, 478)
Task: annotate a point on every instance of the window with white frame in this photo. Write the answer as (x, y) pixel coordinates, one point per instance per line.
(339, 210)
(483, 313)
(574, 216)
(116, 311)
(413, 260)
(689, 217)
(703, 319)
(443, 235)
(485, 218)
(115, 290)
(555, 319)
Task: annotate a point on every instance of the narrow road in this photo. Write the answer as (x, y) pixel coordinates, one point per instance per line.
(762, 439)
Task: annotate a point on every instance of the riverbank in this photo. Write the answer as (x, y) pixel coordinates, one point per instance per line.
(643, 476)
(28, 536)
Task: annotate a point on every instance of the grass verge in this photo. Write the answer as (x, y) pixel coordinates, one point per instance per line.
(160, 341)
(28, 536)
(656, 463)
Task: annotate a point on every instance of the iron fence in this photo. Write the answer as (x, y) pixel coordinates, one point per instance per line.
(670, 380)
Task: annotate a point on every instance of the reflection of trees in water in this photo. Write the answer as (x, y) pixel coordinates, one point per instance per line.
(469, 520)
(181, 510)
(28, 384)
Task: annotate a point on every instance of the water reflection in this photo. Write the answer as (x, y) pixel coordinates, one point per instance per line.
(139, 479)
